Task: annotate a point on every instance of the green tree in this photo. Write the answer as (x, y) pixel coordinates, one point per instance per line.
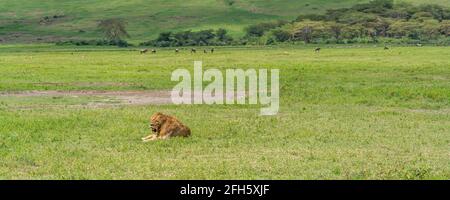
(309, 30)
(281, 35)
(379, 27)
(165, 36)
(184, 38)
(445, 28)
(335, 30)
(204, 37)
(222, 36)
(411, 29)
(258, 30)
(438, 12)
(430, 29)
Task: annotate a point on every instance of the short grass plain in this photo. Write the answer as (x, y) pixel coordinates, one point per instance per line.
(347, 112)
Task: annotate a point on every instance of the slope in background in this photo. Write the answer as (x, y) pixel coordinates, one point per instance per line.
(23, 21)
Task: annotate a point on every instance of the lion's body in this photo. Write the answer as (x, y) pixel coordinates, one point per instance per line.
(166, 126)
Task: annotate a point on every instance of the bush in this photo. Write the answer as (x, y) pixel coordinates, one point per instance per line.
(119, 43)
(258, 30)
(190, 38)
(281, 35)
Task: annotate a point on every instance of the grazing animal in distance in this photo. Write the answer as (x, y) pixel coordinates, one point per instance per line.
(165, 126)
(317, 49)
(143, 51)
(419, 45)
(204, 51)
(212, 50)
(177, 50)
(386, 48)
(193, 50)
(153, 50)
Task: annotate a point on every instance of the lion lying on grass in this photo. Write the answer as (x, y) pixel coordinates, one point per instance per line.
(165, 126)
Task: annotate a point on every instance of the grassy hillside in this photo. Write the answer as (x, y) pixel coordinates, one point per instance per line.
(23, 21)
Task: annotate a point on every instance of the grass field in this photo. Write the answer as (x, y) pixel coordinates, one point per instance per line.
(20, 20)
(345, 113)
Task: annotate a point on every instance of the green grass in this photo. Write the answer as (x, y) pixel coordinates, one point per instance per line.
(346, 113)
(19, 19)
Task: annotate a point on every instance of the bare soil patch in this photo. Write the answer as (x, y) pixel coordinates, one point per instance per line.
(123, 97)
(113, 98)
(82, 84)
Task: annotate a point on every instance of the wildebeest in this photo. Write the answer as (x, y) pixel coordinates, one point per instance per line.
(193, 50)
(317, 49)
(153, 50)
(212, 50)
(143, 51)
(177, 50)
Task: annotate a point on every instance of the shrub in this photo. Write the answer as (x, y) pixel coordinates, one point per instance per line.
(190, 38)
(258, 30)
(281, 35)
(119, 43)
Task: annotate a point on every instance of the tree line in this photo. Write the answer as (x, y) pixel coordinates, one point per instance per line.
(376, 21)
(208, 37)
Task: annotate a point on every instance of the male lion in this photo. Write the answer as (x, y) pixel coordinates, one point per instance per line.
(165, 126)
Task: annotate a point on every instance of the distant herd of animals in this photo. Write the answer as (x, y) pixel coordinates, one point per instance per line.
(193, 50)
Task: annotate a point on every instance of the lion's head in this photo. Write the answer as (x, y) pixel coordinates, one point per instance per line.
(156, 121)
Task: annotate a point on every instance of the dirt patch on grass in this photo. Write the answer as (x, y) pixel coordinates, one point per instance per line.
(82, 84)
(122, 97)
(109, 98)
